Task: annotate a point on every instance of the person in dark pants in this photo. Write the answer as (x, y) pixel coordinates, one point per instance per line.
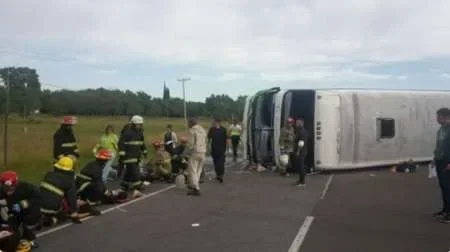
(217, 136)
(300, 151)
(442, 162)
(235, 136)
(22, 200)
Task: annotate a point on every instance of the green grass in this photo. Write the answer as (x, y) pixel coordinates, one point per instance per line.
(30, 154)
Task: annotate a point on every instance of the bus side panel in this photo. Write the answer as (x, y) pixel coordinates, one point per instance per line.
(327, 130)
(414, 128)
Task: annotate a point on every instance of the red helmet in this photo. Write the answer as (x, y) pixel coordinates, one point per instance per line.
(156, 143)
(69, 120)
(103, 155)
(9, 178)
(291, 120)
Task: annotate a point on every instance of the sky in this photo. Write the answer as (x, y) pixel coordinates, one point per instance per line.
(232, 47)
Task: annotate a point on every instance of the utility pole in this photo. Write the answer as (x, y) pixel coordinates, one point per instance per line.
(183, 80)
(25, 129)
(5, 131)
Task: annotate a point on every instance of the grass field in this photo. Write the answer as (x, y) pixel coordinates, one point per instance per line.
(30, 154)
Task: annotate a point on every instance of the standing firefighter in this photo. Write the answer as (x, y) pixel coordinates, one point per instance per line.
(57, 190)
(131, 150)
(64, 141)
(235, 135)
(287, 138)
(91, 187)
(300, 151)
(22, 200)
(161, 163)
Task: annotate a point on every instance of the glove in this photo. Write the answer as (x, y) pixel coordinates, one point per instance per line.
(3, 203)
(16, 208)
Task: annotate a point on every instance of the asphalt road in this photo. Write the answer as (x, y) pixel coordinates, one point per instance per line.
(249, 212)
(357, 211)
(379, 211)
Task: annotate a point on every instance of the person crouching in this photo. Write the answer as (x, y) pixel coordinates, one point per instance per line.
(22, 200)
(91, 187)
(161, 163)
(59, 193)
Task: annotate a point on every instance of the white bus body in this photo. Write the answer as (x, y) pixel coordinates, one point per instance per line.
(348, 128)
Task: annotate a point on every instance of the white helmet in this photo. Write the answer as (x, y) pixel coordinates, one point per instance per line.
(136, 119)
(284, 160)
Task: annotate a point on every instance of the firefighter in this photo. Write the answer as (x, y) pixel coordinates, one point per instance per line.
(64, 141)
(131, 150)
(287, 138)
(91, 187)
(58, 190)
(179, 160)
(22, 200)
(161, 163)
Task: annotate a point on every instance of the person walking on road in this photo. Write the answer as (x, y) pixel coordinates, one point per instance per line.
(108, 141)
(196, 150)
(300, 151)
(235, 136)
(217, 136)
(442, 162)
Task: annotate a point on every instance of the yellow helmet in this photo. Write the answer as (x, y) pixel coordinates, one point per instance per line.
(24, 246)
(65, 164)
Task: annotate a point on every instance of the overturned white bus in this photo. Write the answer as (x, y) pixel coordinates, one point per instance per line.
(348, 128)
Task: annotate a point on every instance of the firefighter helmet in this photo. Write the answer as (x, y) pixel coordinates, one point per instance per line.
(291, 120)
(69, 120)
(9, 178)
(24, 246)
(156, 143)
(103, 155)
(65, 164)
(136, 119)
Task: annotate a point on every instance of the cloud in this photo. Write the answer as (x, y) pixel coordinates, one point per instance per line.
(445, 76)
(276, 40)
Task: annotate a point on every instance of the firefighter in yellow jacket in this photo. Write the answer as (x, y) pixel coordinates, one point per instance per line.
(161, 163)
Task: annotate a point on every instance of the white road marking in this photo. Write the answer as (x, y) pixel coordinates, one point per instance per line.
(327, 185)
(118, 207)
(298, 241)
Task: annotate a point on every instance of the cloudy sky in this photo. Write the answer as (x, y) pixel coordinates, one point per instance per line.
(229, 46)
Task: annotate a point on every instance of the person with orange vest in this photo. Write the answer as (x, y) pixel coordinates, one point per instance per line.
(64, 141)
(22, 201)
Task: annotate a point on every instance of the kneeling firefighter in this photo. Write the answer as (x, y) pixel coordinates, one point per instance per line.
(91, 188)
(22, 202)
(161, 163)
(59, 193)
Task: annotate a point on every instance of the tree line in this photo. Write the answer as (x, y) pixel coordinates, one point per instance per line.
(26, 95)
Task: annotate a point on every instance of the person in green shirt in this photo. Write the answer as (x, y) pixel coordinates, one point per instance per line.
(108, 141)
